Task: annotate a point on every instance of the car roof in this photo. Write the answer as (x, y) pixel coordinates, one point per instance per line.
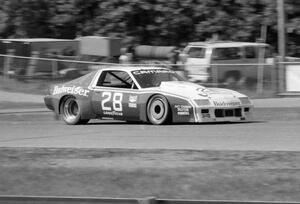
(214, 44)
(130, 68)
(32, 40)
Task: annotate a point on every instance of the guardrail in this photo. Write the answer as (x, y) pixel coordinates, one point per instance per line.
(92, 200)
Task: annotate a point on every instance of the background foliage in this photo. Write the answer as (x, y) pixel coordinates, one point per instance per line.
(153, 22)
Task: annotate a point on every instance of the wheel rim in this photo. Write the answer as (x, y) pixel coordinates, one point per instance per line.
(71, 109)
(157, 109)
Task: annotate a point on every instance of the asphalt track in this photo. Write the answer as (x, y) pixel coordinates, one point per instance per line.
(273, 130)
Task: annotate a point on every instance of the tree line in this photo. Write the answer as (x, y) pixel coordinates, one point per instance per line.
(151, 22)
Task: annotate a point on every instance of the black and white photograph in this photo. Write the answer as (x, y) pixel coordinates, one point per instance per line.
(149, 101)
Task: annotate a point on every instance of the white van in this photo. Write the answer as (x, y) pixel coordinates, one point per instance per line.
(224, 61)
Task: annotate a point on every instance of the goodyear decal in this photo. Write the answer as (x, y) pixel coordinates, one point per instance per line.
(113, 113)
(77, 90)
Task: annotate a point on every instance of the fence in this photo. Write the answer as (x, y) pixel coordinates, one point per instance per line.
(290, 78)
(259, 79)
(93, 200)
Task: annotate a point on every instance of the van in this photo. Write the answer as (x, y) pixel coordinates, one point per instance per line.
(227, 61)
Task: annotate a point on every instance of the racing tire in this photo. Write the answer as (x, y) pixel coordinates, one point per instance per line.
(70, 111)
(158, 110)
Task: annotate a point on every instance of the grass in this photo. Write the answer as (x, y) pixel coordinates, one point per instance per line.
(39, 87)
(19, 105)
(183, 174)
(277, 114)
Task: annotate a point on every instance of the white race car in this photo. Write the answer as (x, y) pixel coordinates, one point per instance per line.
(149, 94)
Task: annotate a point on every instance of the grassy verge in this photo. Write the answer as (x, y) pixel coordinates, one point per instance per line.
(277, 114)
(13, 85)
(39, 87)
(20, 105)
(161, 173)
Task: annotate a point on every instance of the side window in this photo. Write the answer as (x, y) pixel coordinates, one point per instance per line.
(250, 52)
(228, 53)
(116, 79)
(253, 52)
(269, 52)
(196, 52)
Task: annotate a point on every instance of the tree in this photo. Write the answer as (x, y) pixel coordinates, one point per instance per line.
(154, 22)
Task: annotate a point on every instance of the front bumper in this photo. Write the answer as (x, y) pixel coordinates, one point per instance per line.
(226, 114)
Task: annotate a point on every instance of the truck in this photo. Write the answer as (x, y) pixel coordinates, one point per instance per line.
(227, 61)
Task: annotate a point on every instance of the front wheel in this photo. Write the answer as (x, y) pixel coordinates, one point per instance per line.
(158, 110)
(70, 111)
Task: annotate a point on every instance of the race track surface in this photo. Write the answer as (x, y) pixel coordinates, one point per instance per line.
(273, 129)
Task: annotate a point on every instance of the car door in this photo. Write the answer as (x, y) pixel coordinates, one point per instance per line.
(261, 55)
(224, 56)
(116, 96)
(197, 63)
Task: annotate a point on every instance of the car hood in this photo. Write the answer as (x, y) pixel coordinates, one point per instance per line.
(216, 96)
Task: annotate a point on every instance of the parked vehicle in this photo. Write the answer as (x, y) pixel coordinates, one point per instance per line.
(222, 61)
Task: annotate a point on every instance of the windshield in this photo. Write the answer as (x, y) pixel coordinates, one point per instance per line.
(196, 52)
(153, 77)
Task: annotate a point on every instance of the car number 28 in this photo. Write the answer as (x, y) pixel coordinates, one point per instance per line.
(116, 101)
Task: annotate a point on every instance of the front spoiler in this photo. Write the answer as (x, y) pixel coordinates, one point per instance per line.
(211, 117)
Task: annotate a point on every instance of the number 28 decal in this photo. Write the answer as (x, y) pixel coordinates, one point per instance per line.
(116, 101)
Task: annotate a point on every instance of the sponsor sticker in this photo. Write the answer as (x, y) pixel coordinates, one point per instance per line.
(132, 101)
(227, 104)
(183, 109)
(113, 113)
(203, 92)
(77, 90)
(183, 113)
(133, 98)
(132, 105)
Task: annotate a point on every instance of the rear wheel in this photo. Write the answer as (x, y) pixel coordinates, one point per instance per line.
(70, 111)
(158, 110)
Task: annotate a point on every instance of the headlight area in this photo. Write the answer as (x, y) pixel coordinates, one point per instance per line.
(203, 108)
(246, 103)
(245, 100)
(202, 102)
(247, 109)
(207, 112)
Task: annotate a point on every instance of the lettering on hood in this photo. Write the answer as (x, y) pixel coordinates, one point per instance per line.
(202, 92)
(71, 90)
(227, 104)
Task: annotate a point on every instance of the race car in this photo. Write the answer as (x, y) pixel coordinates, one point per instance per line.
(148, 94)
